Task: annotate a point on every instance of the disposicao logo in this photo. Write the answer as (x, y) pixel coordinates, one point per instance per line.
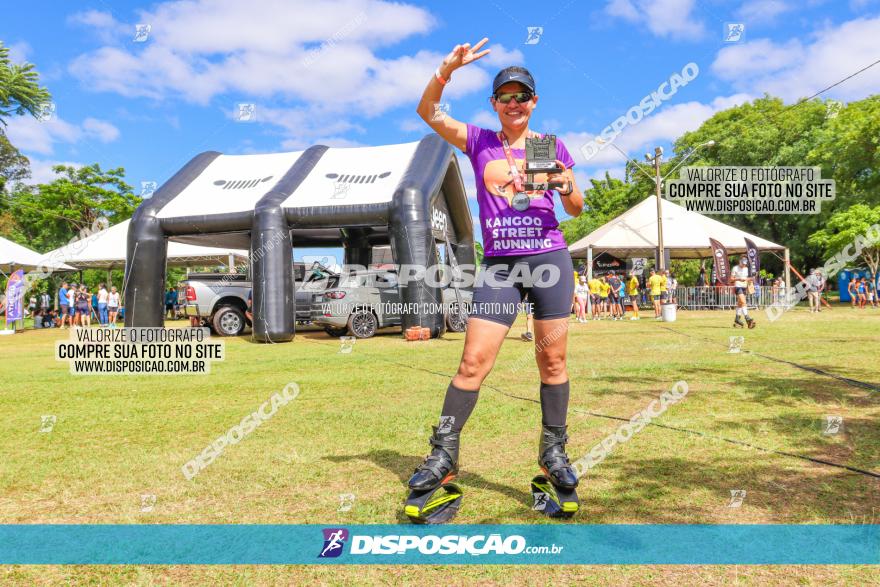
(334, 541)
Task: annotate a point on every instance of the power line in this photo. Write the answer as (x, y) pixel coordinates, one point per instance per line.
(836, 84)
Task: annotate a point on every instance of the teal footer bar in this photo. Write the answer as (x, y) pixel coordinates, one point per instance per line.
(452, 544)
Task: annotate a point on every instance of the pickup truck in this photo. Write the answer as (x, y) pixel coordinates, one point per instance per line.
(219, 300)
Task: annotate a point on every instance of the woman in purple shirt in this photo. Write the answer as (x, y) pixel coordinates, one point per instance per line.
(521, 237)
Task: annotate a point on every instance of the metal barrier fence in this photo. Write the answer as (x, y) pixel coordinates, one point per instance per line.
(724, 298)
(715, 298)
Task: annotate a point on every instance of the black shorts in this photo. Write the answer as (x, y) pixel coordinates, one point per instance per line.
(740, 290)
(498, 294)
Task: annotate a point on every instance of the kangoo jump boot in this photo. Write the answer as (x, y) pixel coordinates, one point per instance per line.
(439, 467)
(554, 492)
(552, 458)
(426, 503)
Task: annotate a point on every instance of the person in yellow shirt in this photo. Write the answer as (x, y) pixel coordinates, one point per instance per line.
(604, 290)
(595, 287)
(655, 282)
(632, 291)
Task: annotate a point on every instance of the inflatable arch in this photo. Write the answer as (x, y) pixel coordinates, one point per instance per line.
(410, 196)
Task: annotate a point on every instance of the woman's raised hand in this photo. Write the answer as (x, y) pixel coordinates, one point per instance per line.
(464, 54)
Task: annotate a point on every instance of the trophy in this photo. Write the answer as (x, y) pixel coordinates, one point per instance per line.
(540, 158)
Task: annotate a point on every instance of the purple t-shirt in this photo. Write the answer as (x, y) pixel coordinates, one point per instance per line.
(506, 231)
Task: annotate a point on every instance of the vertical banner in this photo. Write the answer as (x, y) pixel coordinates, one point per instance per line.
(15, 296)
(754, 260)
(637, 265)
(722, 264)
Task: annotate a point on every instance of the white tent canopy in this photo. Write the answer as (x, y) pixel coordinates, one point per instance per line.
(14, 256)
(106, 250)
(686, 234)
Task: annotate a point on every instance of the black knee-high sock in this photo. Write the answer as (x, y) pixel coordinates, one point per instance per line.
(457, 408)
(554, 403)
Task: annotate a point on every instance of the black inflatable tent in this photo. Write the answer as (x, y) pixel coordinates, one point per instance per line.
(410, 196)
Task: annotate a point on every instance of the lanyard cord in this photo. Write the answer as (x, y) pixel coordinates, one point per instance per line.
(514, 170)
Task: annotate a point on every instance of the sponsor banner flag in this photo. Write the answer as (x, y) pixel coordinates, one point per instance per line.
(754, 259)
(722, 263)
(15, 296)
(638, 265)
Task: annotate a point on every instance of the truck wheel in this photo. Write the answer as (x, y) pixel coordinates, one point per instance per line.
(337, 331)
(456, 319)
(362, 323)
(228, 321)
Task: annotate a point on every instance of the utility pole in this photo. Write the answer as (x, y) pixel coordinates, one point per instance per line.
(658, 181)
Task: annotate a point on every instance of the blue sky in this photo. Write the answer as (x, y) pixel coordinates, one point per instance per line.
(350, 73)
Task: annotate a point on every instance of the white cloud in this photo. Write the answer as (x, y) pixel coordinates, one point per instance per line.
(467, 174)
(94, 18)
(303, 127)
(33, 136)
(762, 11)
(740, 63)
(103, 24)
(41, 170)
(278, 51)
(618, 172)
(794, 70)
(414, 124)
(200, 49)
(623, 9)
(485, 119)
(18, 52)
(100, 130)
(501, 57)
(664, 126)
(664, 18)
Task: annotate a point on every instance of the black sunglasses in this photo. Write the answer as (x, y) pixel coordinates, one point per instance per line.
(520, 97)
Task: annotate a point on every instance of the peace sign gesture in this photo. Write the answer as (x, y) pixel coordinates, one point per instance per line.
(464, 54)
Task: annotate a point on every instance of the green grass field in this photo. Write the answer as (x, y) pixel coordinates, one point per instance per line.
(361, 421)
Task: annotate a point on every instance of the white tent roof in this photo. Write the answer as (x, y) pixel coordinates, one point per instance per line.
(685, 233)
(106, 250)
(14, 256)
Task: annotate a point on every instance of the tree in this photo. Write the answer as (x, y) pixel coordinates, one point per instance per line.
(20, 90)
(850, 227)
(47, 215)
(478, 253)
(766, 132)
(848, 146)
(604, 200)
(13, 165)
